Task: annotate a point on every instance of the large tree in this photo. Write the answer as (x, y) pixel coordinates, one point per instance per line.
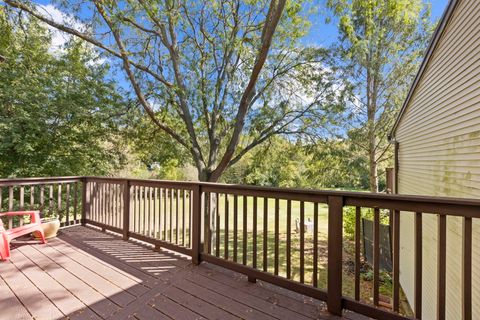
(59, 116)
(218, 77)
(380, 45)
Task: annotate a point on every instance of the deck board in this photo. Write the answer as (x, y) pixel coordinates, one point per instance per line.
(88, 274)
(10, 302)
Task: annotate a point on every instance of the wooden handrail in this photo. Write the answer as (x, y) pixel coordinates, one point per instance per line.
(210, 222)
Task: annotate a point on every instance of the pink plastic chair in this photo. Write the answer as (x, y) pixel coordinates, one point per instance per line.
(8, 235)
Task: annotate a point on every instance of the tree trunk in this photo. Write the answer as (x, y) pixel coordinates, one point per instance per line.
(373, 173)
(208, 233)
(372, 139)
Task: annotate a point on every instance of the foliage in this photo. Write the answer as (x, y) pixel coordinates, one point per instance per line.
(277, 163)
(381, 43)
(332, 164)
(349, 219)
(217, 77)
(59, 114)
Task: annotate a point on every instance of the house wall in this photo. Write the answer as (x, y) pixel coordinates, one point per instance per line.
(439, 154)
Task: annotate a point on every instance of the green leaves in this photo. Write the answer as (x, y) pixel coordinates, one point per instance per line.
(59, 114)
(380, 46)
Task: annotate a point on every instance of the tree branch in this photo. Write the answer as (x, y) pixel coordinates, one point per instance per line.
(273, 17)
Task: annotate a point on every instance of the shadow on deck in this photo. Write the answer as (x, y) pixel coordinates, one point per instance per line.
(88, 274)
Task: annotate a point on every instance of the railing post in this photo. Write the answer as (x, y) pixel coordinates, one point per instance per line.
(85, 201)
(126, 209)
(335, 248)
(196, 224)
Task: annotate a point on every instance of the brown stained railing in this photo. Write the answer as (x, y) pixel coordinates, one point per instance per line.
(53, 197)
(261, 231)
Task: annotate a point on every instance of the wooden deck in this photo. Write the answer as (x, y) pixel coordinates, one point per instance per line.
(88, 274)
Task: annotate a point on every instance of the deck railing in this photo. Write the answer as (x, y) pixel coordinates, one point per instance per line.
(289, 237)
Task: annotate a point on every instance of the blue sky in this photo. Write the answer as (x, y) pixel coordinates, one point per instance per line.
(324, 34)
(321, 33)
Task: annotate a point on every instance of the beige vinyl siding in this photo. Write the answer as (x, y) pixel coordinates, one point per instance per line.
(439, 154)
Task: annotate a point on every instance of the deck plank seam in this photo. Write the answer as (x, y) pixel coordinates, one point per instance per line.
(16, 296)
(52, 278)
(80, 279)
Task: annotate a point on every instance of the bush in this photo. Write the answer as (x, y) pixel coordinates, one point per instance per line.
(367, 213)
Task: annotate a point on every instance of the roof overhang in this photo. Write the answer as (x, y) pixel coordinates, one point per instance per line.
(447, 14)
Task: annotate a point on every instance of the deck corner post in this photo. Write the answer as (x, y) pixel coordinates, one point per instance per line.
(126, 209)
(196, 224)
(85, 202)
(335, 248)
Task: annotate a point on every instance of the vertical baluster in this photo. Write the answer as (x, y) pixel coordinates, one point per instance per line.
(235, 227)
(265, 234)
(75, 202)
(302, 242)
(254, 231)
(217, 225)
(22, 203)
(177, 212)
(42, 199)
(113, 206)
(245, 227)
(67, 204)
(10, 206)
(106, 195)
(277, 235)
(155, 215)
(32, 198)
(93, 197)
(289, 238)
(315, 245)
(116, 206)
(133, 223)
(358, 218)
(160, 217)
(124, 195)
(99, 202)
(165, 215)
(418, 266)
(396, 260)
(104, 203)
(254, 240)
(50, 200)
(150, 213)
(190, 216)
(157, 192)
(98, 189)
(111, 196)
(125, 213)
(441, 265)
(145, 211)
(227, 213)
(97, 196)
(139, 212)
(209, 211)
(376, 255)
(171, 214)
(467, 269)
(118, 202)
(183, 222)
